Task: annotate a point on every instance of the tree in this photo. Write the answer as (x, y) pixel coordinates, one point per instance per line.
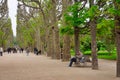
(76, 19)
(5, 25)
(25, 30)
(93, 26)
(55, 31)
(117, 31)
(41, 5)
(65, 50)
(94, 14)
(5, 34)
(3, 9)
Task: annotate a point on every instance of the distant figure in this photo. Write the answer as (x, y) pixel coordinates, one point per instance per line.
(61, 51)
(78, 56)
(9, 50)
(22, 50)
(39, 52)
(1, 51)
(27, 51)
(14, 50)
(35, 50)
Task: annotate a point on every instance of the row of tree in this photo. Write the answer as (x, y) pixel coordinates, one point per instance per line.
(55, 26)
(5, 26)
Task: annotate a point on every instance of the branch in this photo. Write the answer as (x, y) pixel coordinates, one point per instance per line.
(1, 26)
(87, 25)
(28, 5)
(85, 1)
(37, 2)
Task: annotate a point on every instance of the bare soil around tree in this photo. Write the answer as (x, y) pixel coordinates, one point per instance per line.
(22, 67)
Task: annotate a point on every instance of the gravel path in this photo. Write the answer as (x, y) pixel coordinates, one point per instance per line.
(21, 67)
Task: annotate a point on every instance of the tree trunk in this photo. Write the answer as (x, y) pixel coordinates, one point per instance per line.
(56, 42)
(93, 26)
(94, 45)
(117, 24)
(38, 38)
(76, 39)
(48, 41)
(48, 35)
(53, 43)
(117, 30)
(50, 45)
(66, 48)
(65, 55)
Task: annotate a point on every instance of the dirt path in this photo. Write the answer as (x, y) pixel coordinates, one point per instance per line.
(22, 67)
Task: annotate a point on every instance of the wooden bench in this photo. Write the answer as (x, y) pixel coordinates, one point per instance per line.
(83, 61)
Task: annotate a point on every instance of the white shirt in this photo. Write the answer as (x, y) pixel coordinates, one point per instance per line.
(1, 49)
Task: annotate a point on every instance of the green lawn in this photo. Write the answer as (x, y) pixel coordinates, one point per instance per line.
(109, 57)
(101, 54)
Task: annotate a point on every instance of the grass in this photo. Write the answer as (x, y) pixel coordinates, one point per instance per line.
(104, 55)
(101, 54)
(108, 57)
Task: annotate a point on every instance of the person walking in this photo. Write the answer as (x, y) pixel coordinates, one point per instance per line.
(1, 51)
(35, 51)
(27, 51)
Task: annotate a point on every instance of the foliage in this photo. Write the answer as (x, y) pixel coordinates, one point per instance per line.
(118, 1)
(72, 52)
(66, 30)
(93, 12)
(85, 42)
(5, 32)
(74, 17)
(105, 27)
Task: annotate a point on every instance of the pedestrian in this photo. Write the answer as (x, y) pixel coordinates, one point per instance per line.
(27, 51)
(1, 51)
(35, 51)
(39, 52)
(21, 50)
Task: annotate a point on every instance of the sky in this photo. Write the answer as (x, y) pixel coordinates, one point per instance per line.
(12, 5)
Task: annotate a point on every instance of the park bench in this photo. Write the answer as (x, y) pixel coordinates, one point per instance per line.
(83, 61)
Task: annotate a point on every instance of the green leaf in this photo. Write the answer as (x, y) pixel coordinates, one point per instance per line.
(118, 1)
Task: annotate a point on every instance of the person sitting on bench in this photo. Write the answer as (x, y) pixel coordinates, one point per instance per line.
(78, 56)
